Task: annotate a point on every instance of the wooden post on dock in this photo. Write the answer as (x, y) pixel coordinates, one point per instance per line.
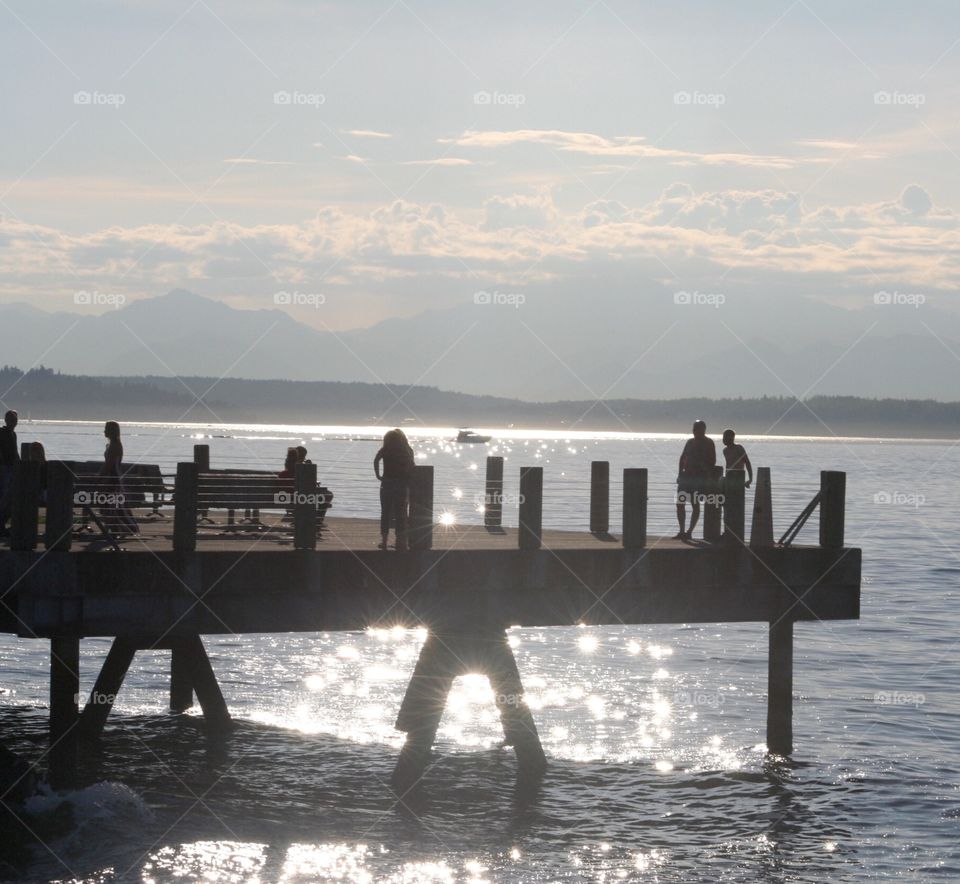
(634, 508)
(712, 524)
(531, 507)
(420, 522)
(64, 715)
(493, 494)
(181, 684)
(761, 525)
(305, 506)
(185, 507)
(59, 530)
(25, 505)
(201, 457)
(734, 506)
(833, 490)
(600, 497)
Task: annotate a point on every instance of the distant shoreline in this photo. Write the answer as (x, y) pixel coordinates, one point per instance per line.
(42, 394)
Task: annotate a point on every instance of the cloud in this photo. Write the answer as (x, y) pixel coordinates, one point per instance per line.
(366, 133)
(619, 146)
(405, 252)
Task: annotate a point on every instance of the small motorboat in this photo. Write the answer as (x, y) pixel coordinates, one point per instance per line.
(468, 437)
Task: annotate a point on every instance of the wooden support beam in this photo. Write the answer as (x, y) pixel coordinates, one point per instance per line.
(181, 684)
(531, 507)
(833, 491)
(204, 680)
(734, 506)
(105, 690)
(780, 688)
(185, 508)
(25, 505)
(305, 506)
(600, 497)
(420, 521)
(712, 510)
(441, 660)
(59, 528)
(493, 494)
(634, 508)
(761, 525)
(64, 715)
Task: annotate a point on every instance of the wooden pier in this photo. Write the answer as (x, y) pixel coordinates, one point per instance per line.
(199, 573)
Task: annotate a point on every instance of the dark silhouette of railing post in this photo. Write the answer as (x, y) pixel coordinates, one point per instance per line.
(305, 506)
(420, 522)
(185, 507)
(25, 509)
(493, 493)
(734, 506)
(833, 490)
(635, 508)
(600, 497)
(59, 530)
(201, 457)
(531, 507)
(712, 511)
(761, 525)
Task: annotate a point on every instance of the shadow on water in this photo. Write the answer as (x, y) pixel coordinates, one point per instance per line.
(264, 785)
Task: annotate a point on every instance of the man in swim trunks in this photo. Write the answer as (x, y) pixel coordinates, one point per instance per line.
(735, 456)
(698, 458)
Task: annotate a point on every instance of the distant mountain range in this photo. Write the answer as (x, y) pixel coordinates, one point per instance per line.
(43, 393)
(651, 345)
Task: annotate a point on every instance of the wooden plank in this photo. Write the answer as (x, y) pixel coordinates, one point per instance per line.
(600, 497)
(531, 507)
(634, 508)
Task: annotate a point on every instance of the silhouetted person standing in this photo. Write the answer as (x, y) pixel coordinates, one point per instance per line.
(9, 458)
(698, 458)
(396, 455)
(735, 456)
(119, 515)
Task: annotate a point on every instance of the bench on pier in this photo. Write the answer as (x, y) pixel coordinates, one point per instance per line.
(253, 491)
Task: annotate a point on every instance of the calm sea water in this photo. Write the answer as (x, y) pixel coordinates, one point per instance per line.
(654, 734)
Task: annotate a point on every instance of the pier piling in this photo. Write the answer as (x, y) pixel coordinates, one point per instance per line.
(761, 525)
(420, 527)
(634, 508)
(531, 507)
(734, 506)
(493, 493)
(600, 497)
(712, 510)
(64, 710)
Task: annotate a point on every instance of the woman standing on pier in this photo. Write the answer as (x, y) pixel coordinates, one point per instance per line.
(119, 516)
(396, 455)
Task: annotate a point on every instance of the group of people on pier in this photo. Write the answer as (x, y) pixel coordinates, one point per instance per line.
(695, 476)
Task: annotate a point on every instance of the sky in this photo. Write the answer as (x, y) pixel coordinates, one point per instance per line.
(385, 158)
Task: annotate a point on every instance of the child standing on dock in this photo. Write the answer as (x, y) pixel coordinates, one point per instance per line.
(735, 456)
(396, 455)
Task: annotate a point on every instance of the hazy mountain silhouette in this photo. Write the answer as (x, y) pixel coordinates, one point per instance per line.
(556, 345)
